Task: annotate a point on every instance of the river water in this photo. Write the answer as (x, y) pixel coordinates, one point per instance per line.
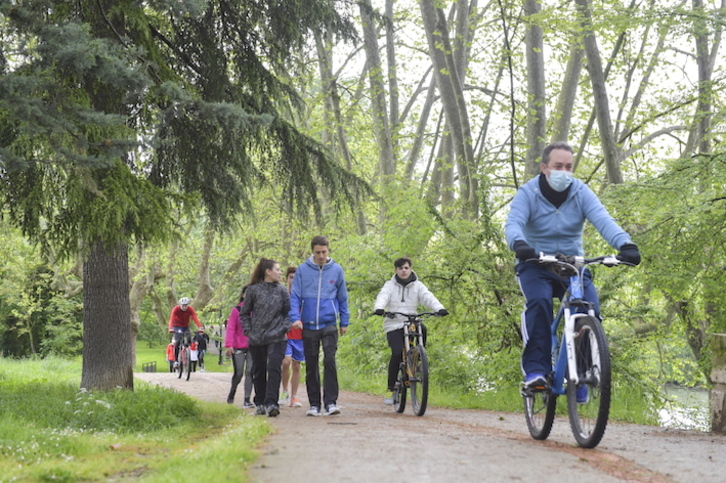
(685, 408)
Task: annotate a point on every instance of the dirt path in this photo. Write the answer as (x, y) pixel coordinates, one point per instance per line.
(370, 442)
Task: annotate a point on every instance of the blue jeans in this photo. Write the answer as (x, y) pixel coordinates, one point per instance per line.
(539, 286)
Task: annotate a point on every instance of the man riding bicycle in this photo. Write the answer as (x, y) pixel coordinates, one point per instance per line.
(547, 215)
(179, 323)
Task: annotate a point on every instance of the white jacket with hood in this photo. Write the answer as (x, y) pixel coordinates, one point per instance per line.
(395, 297)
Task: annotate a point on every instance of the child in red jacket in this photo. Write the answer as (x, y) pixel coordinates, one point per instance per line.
(170, 356)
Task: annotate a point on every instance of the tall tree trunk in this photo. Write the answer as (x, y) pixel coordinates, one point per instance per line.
(452, 98)
(536, 102)
(333, 117)
(703, 60)
(205, 291)
(108, 345)
(108, 360)
(381, 127)
(602, 108)
(568, 93)
(392, 75)
(421, 129)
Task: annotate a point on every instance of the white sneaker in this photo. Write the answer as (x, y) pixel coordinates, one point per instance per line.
(313, 411)
(332, 409)
(283, 398)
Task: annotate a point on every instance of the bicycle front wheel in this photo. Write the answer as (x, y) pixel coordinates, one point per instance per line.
(539, 410)
(588, 401)
(419, 367)
(399, 390)
(180, 362)
(187, 363)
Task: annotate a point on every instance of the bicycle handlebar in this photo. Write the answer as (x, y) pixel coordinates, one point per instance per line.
(577, 261)
(391, 315)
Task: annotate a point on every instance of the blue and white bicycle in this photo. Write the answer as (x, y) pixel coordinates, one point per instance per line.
(581, 360)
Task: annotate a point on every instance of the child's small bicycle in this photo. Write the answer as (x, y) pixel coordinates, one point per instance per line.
(413, 372)
(581, 360)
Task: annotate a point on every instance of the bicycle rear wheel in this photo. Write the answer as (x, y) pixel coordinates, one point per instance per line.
(539, 411)
(399, 390)
(589, 416)
(419, 366)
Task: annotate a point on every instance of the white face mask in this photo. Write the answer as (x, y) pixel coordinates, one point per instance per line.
(559, 180)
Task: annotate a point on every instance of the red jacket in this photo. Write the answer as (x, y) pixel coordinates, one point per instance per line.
(180, 318)
(170, 352)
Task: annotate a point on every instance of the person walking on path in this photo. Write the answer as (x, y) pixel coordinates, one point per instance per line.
(319, 299)
(236, 346)
(202, 341)
(265, 318)
(294, 357)
(403, 293)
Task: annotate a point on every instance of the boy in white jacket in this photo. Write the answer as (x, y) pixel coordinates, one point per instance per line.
(403, 293)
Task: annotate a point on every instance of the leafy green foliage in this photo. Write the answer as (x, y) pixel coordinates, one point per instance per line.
(679, 218)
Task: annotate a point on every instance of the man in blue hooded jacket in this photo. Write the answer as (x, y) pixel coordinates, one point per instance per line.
(547, 215)
(319, 298)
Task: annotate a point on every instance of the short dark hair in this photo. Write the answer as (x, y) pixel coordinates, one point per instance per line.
(556, 145)
(289, 271)
(319, 240)
(402, 261)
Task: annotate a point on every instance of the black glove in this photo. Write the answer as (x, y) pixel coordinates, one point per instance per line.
(629, 253)
(378, 312)
(523, 251)
(442, 312)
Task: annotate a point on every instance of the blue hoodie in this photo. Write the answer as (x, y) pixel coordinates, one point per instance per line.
(319, 295)
(551, 230)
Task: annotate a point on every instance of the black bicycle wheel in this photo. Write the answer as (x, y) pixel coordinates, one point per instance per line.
(187, 363)
(589, 415)
(419, 366)
(180, 361)
(539, 411)
(399, 390)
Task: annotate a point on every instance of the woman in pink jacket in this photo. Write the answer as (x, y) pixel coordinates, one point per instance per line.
(237, 347)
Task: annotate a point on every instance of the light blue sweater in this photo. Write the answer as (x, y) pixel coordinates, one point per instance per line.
(551, 230)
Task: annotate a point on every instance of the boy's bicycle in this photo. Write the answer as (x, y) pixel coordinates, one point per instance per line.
(581, 360)
(184, 339)
(413, 372)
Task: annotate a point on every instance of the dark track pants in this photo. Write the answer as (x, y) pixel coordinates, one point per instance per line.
(540, 286)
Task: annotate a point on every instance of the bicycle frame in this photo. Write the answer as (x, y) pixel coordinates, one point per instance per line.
(580, 360)
(184, 337)
(572, 299)
(413, 371)
(410, 336)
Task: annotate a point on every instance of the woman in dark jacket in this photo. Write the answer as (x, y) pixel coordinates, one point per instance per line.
(265, 319)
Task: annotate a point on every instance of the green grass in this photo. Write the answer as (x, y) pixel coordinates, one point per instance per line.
(52, 431)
